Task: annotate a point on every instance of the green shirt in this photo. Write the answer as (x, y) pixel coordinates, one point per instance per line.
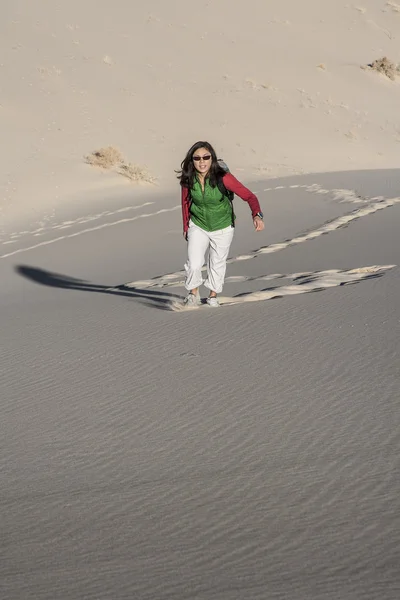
(209, 209)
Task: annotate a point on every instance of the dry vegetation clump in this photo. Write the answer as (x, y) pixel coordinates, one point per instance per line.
(384, 66)
(111, 158)
(394, 6)
(106, 158)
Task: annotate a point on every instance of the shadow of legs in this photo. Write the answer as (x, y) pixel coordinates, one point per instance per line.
(42, 277)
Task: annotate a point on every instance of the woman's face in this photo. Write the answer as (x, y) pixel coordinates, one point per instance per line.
(202, 160)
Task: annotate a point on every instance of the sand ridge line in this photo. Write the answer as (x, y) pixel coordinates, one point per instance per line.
(332, 225)
(89, 230)
(338, 194)
(342, 195)
(67, 224)
(315, 282)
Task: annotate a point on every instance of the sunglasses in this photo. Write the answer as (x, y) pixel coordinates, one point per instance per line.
(206, 157)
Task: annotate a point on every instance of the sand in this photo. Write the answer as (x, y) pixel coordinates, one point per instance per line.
(250, 451)
(278, 88)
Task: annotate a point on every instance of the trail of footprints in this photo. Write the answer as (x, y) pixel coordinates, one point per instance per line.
(301, 282)
(47, 225)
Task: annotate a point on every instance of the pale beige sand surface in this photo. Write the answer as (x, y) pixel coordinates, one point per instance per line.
(276, 86)
(246, 452)
(250, 452)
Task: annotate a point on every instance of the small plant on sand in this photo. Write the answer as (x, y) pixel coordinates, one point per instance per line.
(106, 158)
(384, 66)
(110, 158)
(394, 6)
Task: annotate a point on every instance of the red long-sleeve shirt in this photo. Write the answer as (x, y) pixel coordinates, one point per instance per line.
(231, 184)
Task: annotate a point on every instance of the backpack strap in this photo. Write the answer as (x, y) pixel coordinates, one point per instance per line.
(226, 194)
(223, 190)
(220, 182)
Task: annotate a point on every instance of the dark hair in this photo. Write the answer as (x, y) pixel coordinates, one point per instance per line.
(187, 173)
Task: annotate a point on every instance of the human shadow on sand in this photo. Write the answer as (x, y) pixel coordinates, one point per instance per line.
(157, 299)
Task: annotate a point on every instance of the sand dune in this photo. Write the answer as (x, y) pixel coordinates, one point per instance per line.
(303, 284)
(248, 452)
(222, 454)
(95, 77)
(177, 279)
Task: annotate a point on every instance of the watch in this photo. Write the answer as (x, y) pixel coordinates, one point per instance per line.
(259, 214)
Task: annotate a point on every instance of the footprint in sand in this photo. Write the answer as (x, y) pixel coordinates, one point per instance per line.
(302, 282)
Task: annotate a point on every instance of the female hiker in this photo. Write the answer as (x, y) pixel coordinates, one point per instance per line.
(208, 218)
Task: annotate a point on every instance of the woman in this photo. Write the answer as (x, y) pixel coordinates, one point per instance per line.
(208, 219)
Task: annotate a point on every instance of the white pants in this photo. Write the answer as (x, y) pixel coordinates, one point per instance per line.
(217, 243)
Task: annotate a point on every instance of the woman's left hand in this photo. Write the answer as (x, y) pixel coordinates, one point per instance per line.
(258, 224)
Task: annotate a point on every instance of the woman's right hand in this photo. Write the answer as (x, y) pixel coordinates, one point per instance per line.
(185, 236)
